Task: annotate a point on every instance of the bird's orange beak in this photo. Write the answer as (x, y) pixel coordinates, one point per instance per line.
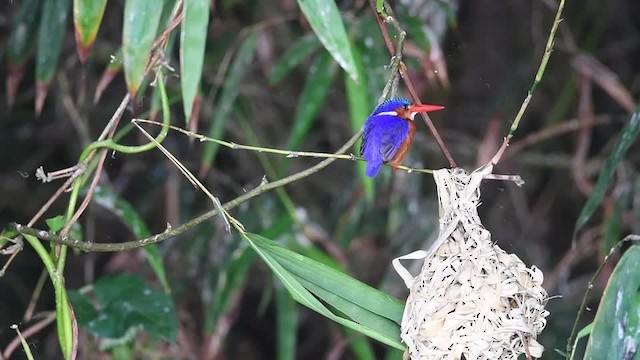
(424, 108)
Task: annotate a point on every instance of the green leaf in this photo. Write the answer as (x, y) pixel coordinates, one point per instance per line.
(23, 33)
(19, 47)
(627, 138)
(193, 38)
(128, 215)
(298, 52)
(325, 20)
(125, 304)
(612, 223)
(337, 282)
(287, 324)
(265, 248)
(141, 19)
(359, 109)
(55, 223)
(321, 75)
(87, 17)
(228, 283)
(615, 330)
(230, 90)
(52, 30)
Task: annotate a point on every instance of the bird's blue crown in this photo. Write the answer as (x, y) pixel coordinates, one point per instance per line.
(391, 105)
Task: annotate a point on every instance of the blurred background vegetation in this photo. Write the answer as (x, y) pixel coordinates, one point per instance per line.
(266, 80)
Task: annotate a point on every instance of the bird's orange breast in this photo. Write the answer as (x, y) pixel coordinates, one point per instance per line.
(404, 148)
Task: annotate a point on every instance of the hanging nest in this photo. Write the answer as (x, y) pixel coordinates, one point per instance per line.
(471, 300)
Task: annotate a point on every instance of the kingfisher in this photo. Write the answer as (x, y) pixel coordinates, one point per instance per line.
(388, 133)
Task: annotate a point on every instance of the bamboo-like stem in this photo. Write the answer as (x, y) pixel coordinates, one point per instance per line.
(541, 69)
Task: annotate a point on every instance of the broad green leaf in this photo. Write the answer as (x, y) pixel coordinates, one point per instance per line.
(19, 46)
(125, 304)
(298, 52)
(193, 38)
(141, 19)
(128, 215)
(359, 109)
(87, 17)
(325, 20)
(52, 30)
(321, 75)
(303, 296)
(615, 332)
(230, 90)
(286, 323)
(627, 138)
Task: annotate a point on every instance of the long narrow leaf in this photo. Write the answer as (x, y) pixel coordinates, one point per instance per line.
(52, 30)
(335, 281)
(141, 19)
(128, 215)
(87, 17)
(299, 50)
(627, 138)
(230, 91)
(287, 324)
(20, 44)
(354, 311)
(303, 296)
(359, 109)
(227, 284)
(316, 88)
(325, 20)
(193, 39)
(616, 330)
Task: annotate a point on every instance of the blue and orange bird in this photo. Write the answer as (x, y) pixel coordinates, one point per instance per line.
(388, 133)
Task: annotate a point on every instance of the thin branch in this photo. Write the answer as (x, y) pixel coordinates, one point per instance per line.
(541, 69)
(169, 233)
(402, 71)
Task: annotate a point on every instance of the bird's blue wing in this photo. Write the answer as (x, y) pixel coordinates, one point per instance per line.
(394, 130)
(383, 136)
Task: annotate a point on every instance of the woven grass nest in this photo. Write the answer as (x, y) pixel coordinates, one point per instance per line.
(471, 300)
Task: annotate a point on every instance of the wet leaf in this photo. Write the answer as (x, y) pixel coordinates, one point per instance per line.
(141, 19)
(325, 20)
(125, 304)
(616, 326)
(87, 17)
(193, 39)
(50, 37)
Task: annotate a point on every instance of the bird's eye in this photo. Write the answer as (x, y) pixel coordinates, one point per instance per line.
(406, 106)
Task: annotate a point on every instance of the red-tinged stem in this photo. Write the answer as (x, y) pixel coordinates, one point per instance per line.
(410, 88)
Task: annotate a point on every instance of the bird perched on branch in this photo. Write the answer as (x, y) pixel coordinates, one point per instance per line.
(388, 133)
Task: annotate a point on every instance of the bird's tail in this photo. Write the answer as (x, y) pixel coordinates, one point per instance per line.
(372, 168)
